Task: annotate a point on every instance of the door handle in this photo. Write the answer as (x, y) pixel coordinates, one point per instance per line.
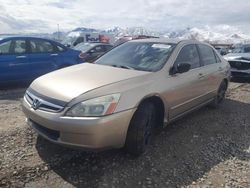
(21, 57)
(53, 54)
(201, 75)
(220, 69)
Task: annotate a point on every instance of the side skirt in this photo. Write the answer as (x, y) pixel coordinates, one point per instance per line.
(187, 112)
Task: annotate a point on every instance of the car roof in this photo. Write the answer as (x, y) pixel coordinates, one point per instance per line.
(22, 36)
(164, 40)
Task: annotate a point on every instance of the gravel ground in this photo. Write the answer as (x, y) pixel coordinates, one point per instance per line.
(208, 148)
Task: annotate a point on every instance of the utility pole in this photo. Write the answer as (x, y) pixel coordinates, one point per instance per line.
(58, 35)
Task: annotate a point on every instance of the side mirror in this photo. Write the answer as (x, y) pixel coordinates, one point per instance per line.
(183, 67)
(91, 51)
(180, 68)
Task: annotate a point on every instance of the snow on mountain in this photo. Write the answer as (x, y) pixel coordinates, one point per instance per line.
(84, 29)
(213, 35)
(116, 31)
(217, 34)
(132, 31)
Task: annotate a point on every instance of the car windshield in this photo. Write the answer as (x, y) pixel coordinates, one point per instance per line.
(242, 49)
(68, 40)
(144, 56)
(84, 47)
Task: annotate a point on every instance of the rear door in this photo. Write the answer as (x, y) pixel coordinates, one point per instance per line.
(212, 70)
(14, 60)
(42, 57)
(187, 87)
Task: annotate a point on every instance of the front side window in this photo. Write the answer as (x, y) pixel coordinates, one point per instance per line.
(207, 54)
(40, 46)
(144, 56)
(190, 55)
(19, 46)
(5, 47)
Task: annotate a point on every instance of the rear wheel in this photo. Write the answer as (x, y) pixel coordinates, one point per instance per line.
(220, 95)
(140, 129)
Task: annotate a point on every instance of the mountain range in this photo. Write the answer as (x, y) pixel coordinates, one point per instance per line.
(219, 34)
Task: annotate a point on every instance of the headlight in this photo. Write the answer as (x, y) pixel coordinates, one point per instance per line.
(95, 107)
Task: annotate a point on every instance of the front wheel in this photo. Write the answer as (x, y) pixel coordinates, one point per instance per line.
(140, 129)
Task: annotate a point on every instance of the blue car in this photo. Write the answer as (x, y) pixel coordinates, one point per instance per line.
(22, 59)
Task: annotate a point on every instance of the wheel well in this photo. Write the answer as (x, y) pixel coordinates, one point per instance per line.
(160, 109)
(226, 81)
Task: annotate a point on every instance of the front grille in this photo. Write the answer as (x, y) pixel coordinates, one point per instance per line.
(240, 64)
(38, 103)
(52, 134)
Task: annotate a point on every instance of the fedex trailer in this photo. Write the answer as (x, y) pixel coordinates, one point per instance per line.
(75, 38)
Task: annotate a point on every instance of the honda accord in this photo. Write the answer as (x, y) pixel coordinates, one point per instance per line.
(133, 89)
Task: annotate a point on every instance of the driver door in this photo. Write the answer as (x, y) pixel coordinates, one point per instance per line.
(186, 87)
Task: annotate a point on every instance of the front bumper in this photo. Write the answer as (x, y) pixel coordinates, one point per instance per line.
(91, 133)
(236, 73)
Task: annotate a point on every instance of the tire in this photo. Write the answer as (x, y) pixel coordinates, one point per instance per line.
(140, 129)
(219, 98)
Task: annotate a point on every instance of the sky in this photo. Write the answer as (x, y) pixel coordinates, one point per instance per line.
(43, 16)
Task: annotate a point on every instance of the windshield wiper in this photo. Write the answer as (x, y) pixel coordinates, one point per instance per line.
(123, 66)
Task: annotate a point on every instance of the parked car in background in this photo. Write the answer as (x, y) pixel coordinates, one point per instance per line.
(129, 91)
(23, 59)
(91, 51)
(128, 38)
(222, 51)
(239, 60)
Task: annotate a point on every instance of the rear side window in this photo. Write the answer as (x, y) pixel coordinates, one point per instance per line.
(19, 46)
(5, 47)
(189, 54)
(40, 46)
(207, 54)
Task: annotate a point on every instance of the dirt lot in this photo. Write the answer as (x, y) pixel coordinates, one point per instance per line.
(208, 148)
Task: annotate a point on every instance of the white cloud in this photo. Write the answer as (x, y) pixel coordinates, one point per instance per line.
(44, 15)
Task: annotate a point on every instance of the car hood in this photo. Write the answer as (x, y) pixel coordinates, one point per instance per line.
(68, 83)
(237, 56)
